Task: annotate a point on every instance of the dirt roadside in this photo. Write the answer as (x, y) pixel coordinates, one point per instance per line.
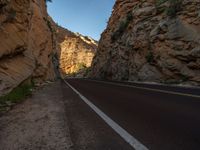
(39, 123)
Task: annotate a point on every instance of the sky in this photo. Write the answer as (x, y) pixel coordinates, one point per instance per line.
(88, 17)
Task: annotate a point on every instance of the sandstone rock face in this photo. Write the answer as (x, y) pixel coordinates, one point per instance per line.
(26, 43)
(151, 40)
(75, 51)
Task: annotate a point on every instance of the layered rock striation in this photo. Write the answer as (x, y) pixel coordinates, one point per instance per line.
(151, 40)
(27, 44)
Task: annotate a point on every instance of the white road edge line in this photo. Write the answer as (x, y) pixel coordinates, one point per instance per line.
(123, 133)
(149, 89)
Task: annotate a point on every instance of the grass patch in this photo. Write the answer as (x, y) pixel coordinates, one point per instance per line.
(15, 96)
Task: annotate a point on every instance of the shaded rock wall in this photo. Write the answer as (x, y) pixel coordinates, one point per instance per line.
(151, 41)
(26, 44)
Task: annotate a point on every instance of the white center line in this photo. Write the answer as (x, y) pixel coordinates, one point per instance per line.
(122, 132)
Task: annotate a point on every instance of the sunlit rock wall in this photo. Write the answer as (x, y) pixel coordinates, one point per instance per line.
(26, 44)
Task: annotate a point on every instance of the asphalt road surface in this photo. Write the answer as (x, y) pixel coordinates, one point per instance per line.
(160, 117)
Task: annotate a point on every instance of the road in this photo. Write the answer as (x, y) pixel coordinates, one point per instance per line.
(159, 117)
(87, 130)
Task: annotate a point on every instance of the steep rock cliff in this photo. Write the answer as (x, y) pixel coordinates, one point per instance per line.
(26, 43)
(151, 40)
(75, 51)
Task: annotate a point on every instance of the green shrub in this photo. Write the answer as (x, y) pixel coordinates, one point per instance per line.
(174, 6)
(49, 25)
(129, 17)
(81, 66)
(16, 95)
(159, 2)
(122, 27)
(150, 57)
(171, 11)
(48, 1)
(11, 16)
(87, 71)
(184, 78)
(71, 74)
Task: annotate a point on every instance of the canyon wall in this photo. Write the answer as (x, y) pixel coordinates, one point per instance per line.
(151, 40)
(75, 52)
(27, 44)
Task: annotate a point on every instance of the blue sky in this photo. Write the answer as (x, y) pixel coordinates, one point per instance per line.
(88, 17)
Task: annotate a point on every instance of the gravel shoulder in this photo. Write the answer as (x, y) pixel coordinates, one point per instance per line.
(55, 118)
(39, 123)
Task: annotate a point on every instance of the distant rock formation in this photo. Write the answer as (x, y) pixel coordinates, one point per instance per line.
(26, 43)
(151, 40)
(75, 52)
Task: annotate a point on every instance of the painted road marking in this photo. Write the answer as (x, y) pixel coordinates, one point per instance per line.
(149, 89)
(123, 133)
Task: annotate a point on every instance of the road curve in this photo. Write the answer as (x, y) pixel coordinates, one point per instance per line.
(159, 120)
